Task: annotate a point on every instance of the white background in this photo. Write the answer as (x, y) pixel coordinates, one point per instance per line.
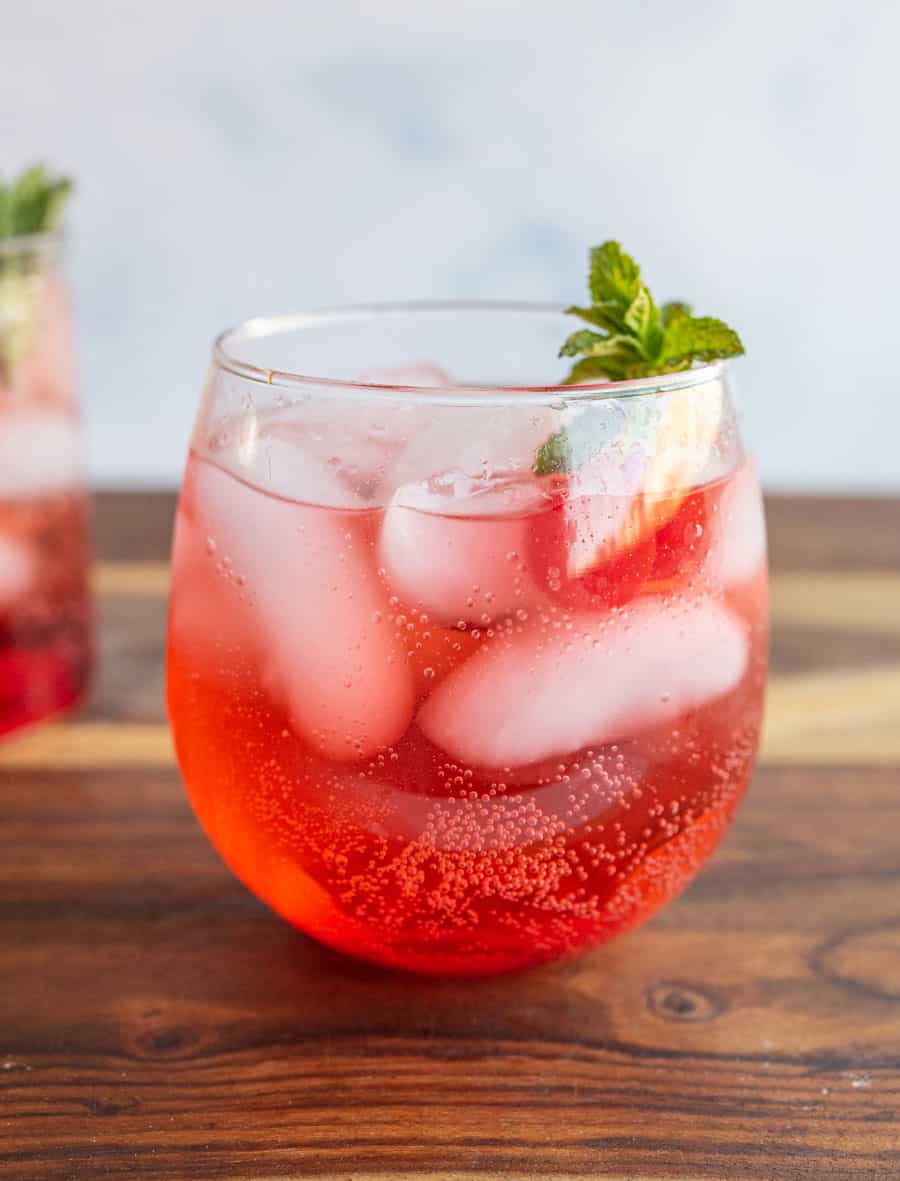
(237, 158)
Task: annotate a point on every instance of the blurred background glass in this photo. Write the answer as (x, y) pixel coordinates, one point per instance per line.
(45, 609)
(238, 159)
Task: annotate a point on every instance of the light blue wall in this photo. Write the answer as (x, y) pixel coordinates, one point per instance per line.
(235, 158)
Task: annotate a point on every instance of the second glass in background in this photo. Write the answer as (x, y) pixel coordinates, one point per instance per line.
(45, 605)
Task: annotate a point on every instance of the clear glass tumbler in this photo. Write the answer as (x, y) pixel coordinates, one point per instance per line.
(466, 666)
(45, 606)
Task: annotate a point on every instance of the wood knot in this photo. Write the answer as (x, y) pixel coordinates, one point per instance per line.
(157, 1038)
(676, 1000)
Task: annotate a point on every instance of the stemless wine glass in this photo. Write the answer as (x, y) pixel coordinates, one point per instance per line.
(45, 609)
(466, 666)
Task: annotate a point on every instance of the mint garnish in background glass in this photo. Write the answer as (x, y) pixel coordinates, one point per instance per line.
(30, 205)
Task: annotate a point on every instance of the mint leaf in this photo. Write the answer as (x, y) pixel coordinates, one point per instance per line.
(614, 358)
(614, 276)
(580, 342)
(552, 456)
(28, 195)
(623, 306)
(597, 369)
(601, 315)
(699, 338)
(674, 310)
(33, 203)
(643, 322)
(57, 195)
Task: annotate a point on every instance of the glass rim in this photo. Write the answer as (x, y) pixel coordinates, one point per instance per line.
(44, 242)
(260, 327)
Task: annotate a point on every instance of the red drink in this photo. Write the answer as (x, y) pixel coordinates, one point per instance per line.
(45, 609)
(45, 617)
(463, 726)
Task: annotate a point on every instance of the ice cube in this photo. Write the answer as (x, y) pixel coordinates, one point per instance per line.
(546, 692)
(456, 535)
(16, 571)
(277, 459)
(205, 598)
(358, 438)
(738, 549)
(354, 439)
(480, 442)
(40, 453)
(322, 613)
(459, 548)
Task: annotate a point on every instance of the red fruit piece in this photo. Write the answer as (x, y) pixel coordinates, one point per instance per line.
(616, 571)
(619, 579)
(682, 543)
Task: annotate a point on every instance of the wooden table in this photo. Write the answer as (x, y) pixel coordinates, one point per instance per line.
(158, 1022)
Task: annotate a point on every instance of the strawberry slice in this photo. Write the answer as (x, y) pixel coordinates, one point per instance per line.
(652, 477)
(683, 542)
(609, 531)
(611, 579)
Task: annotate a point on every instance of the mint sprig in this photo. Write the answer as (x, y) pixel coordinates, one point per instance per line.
(636, 338)
(32, 203)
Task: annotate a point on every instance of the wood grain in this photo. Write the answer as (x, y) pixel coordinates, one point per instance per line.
(159, 1023)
